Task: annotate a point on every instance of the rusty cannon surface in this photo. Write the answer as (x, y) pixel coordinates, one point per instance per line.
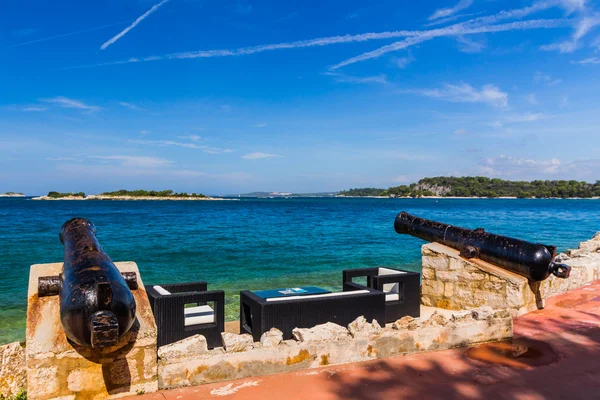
(96, 303)
(532, 260)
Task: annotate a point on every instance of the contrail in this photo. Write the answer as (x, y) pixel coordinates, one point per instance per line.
(130, 27)
(65, 34)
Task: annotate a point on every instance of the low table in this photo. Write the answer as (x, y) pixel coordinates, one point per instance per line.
(287, 292)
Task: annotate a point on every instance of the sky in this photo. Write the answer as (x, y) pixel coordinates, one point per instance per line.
(232, 96)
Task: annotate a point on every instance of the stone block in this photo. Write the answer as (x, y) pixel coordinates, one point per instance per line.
(59, 369)
(12, 369)
(272, 338)
(361, 328)
(189, 347)
(455, 283)
(234, 343)
(327, 331)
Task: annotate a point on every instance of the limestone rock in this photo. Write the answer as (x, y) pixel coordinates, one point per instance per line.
(462, 316)
(361, 328)
(436, 319)
(272, 338)
(188, 347)
(482, 313)
(589, 247)
(12, 369)
(327, 331)
(407, 322)
(235, 343)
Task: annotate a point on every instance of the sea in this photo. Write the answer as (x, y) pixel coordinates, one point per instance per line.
(252, 244)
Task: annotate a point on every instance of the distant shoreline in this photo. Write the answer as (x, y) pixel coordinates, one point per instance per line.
(470, 197)
(129, 198)
(12, 195)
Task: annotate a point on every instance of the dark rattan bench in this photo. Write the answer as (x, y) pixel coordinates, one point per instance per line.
(183, 310)
(258, 315)
(402, 289)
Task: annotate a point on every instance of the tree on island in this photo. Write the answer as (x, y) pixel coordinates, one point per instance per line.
(479, 186)
(58, 195)
(150, 193)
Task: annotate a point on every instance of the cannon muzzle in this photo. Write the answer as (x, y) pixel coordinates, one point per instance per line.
(531, 260)
(97, 306)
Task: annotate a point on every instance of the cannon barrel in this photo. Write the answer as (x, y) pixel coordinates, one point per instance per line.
(531, 260)
(97, 306)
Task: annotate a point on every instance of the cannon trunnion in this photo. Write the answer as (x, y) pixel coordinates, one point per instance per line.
(531, 260)
(96, 303)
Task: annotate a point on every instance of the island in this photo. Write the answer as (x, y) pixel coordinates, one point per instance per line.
(12, 194)
(127, 195)
(482, 187)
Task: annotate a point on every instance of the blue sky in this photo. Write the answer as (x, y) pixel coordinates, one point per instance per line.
(235, 96)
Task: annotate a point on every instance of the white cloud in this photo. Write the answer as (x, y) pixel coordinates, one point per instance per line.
(508, 166)
(65, 102)
(446, 12)
(260, 125)
(401, 179)
(193, 138)
(339, 77)
(465, 93)
(584, 26)
(590, 60)
(413, 37)
(260, 156)
(133, 25)
(145, 132)
(130, 106)
(33, 108)
(64, 35)
(531, 99)
(402, 62)
(496, 124)
(453, 30)
(525, 117)
(192, 145)
(62, 159)
(466, 45)
(540, 77)
(136, 161)
(460, 132)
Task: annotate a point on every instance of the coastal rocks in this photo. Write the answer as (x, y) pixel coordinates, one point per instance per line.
(12, 369)
(587, 247)
(406, 323)
(235, 343)
(272, 338)
(327, 331)
(189, 347)
(361, 328)
(436, 319)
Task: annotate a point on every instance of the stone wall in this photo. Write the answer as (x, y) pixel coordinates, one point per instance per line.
(453, 282)
(56, 368)
(189, 362)
(12, 369)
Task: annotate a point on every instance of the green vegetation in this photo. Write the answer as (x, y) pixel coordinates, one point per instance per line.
(21, 395)
(479, 186)
(150, 193)
(57, 195)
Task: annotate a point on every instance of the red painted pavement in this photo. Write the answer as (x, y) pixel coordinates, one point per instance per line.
(560, 359)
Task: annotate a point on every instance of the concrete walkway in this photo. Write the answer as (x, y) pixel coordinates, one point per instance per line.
(555, 355)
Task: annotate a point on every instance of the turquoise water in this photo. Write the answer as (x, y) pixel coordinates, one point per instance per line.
(260, 243)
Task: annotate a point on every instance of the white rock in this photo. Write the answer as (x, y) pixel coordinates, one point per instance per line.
(407, 322)
(587, 247)
(188, 347)
(436, 319)
(235, 343)
(327, 331)
(361, 328)
(12, 369)
(272, 338)
(460, 316)
(481, 313)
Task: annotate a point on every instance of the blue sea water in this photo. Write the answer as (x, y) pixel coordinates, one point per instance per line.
(260, 243)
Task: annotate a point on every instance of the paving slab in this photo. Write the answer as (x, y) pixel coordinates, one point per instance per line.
(554, 355)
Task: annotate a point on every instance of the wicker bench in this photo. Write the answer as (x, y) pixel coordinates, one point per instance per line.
(258, 315)
(402, 289)
(182, 310)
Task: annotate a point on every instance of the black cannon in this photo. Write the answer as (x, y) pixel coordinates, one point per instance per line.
(531, 260)
(96, 303)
